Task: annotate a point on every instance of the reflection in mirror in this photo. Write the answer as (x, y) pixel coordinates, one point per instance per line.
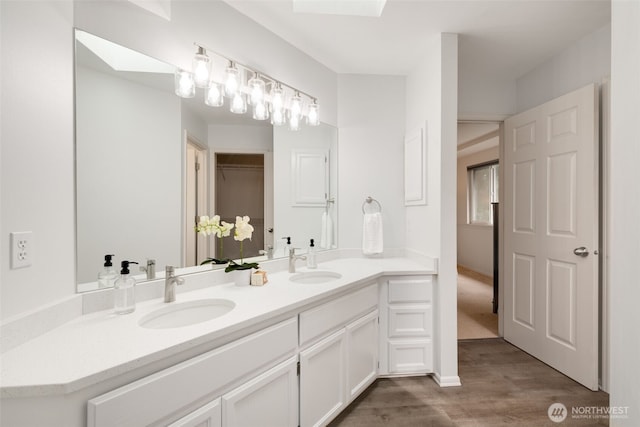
(149, 163)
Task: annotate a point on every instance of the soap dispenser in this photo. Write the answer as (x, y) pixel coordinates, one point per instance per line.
(125, 297)
(107, 276)
(287, 246)
(311, 256)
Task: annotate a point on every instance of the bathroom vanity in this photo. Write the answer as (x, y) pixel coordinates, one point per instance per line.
(294, 352)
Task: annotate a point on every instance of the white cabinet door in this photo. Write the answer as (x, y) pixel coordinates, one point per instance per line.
(322, 380)
(362, 354)
(210, 415)
(269, 400)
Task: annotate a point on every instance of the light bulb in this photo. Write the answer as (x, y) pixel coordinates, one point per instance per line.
(256, 89)
(277, 117)
(184, 84)
(294, 122)
(231, 81)
(277, 98)
(313, 116)
(214, 96)
(201, 68)
(260, 111)
(295, 108)
(238, 104)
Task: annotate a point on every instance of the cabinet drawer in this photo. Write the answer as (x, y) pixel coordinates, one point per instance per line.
(410, 320)
(318, 321)
(159, 395)
(415, 290)
(415, 355)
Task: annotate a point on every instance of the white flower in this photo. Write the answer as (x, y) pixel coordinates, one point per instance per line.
(224, 229)
(203, 226)
(244, 230)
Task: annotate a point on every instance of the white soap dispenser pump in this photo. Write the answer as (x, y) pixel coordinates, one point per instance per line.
(107, 276)
(311, 256)
(125, 296)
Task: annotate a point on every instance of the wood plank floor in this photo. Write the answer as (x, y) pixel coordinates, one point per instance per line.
(501, 386)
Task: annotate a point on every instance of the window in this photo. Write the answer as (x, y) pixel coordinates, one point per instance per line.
(483, 190)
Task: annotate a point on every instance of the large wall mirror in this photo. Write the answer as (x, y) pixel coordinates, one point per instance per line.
(149, 163)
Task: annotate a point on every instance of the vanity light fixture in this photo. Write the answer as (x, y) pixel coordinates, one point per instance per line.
(313, 115)
(214, 95)
(238, 103)
(256, 89)
(241, 92)
(231, 80)
(184, 84)
(201, 68)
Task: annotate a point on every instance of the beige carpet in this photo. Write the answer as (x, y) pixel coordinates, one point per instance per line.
(475, 305)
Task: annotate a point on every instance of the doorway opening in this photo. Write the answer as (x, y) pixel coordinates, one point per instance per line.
(239, 191)
(477, 223)
(196, 191)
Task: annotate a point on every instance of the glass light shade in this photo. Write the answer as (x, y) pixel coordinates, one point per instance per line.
(201, 68)
(214, 97)
(294, 122)
(295, 108)
(231, 81)
(277, 117)
(313, 116)
(277, 98)
(260, 111)
(238, 104)
(184, 85)
(256, 89)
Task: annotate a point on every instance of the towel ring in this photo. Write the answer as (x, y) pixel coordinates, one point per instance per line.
(369, 201)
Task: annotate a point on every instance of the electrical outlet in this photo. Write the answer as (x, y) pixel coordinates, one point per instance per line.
(21, 249)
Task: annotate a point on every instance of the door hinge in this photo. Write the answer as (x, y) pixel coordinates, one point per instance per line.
(197, 166)
(298, 368)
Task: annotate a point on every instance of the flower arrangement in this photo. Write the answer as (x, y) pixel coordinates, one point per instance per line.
(208, 226)
(243, 230)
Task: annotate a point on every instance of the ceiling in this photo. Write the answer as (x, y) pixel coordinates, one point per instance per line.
(506, 38)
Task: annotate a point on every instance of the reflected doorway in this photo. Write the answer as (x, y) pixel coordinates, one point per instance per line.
(195, 201)
(240, 191)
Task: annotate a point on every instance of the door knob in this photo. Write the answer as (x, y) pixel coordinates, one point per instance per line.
(581, 251)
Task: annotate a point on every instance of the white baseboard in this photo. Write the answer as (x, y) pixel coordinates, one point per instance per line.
(450, 381)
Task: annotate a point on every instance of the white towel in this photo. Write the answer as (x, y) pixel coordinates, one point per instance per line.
(372, 234)
(326, 234)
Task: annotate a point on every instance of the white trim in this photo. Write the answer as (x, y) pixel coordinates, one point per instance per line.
(448, 381)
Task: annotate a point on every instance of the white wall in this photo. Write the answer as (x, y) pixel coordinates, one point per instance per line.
(371, 134)
(586, 61)
(126, 132)
(38, 119)
(432, 98)
(37, 151)
(301, 223)
(475, 242)
(625, 211)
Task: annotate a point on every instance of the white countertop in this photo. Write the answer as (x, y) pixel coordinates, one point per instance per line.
(98, 346)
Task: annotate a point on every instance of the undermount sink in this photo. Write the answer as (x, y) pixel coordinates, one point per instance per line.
(176, 315)
(312, 277)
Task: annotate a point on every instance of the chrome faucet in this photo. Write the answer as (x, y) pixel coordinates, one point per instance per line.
(268, 252)
(293, 258)
(150, 269)
(170, 282)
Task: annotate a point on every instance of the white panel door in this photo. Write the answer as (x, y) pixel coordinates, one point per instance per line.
(322, 380)
(269, 400)
(551, 234)
(362, 354)
(210, 415)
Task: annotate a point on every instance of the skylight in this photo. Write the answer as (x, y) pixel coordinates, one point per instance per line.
(121, 58)
(371, 8)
